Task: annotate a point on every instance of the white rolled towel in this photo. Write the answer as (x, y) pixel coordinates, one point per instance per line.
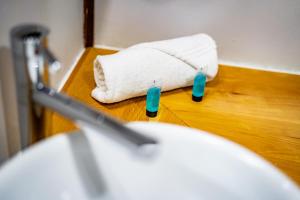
(173, 63)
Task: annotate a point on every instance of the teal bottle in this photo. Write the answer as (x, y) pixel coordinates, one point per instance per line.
(152, 101)
(199, 86)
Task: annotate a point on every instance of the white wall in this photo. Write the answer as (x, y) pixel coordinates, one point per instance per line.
(65, 21)
(63, 18)
(261, 33)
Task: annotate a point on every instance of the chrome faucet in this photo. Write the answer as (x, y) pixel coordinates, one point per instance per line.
(32, 64)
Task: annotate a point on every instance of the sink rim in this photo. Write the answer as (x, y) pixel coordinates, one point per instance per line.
(239, 151)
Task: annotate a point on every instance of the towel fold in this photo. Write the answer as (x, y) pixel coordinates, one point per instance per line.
(173, 63)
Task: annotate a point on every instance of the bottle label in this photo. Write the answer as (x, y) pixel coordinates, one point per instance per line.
(199, 85)
(152, 100)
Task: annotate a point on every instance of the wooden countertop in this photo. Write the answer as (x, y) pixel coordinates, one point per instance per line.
(257, 109)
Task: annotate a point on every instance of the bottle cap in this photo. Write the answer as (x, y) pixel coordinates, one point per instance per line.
(151, 114)
(197, 99)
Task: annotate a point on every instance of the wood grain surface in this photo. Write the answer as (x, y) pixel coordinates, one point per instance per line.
(257, 109)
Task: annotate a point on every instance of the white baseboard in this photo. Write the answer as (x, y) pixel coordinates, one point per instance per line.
(260, 67)
(70, 70)
(222, 62)
(102, 46)
(230, 63)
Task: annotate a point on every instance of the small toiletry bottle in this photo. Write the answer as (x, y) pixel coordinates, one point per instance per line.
(152, 100)
(198, 87)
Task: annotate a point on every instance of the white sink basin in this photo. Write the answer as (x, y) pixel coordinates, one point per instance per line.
(188, 164)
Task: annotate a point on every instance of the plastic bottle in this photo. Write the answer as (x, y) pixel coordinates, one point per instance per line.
(152, 100)
(199, 86)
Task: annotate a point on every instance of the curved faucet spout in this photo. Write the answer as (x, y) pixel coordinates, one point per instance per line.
(30, 58)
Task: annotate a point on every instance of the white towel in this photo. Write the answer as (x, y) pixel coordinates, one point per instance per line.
(173, 63)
